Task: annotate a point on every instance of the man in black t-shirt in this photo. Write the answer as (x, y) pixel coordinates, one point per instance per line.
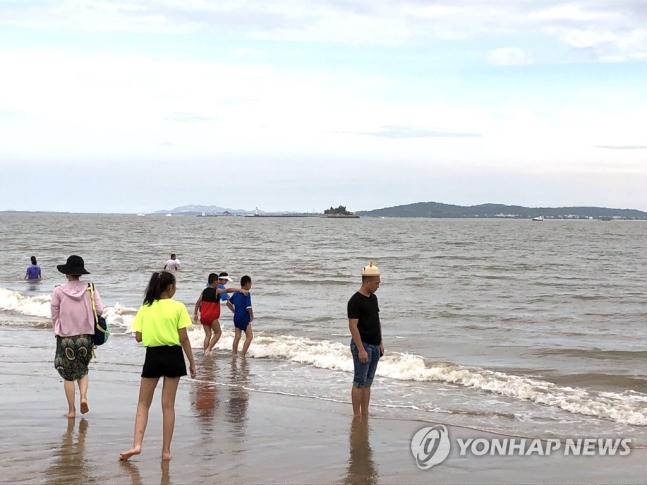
(366, 332)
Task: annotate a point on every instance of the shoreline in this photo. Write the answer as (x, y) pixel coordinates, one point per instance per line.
(224, 432)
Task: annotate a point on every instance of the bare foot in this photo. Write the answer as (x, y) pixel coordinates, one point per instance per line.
(207, 352)
(84, 407)
(135, 450)
(166, 456)
(70, 415)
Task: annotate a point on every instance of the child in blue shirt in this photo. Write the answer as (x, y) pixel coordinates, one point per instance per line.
(223, 278)
(243, 315)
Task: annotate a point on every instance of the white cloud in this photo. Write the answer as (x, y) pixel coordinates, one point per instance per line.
(246, 53)
(618, 25)
(585, 38)
(81, 105)
(117, 109)
(509, 56)
(567, 12)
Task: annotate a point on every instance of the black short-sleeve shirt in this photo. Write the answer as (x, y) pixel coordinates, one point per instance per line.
(366, 310)
(209, 294)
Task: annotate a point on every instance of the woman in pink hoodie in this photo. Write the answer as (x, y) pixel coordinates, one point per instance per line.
(74, 329)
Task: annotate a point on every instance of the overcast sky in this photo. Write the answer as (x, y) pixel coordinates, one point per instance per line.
(118, 106)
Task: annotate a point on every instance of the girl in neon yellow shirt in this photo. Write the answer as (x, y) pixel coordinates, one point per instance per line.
(161, 324)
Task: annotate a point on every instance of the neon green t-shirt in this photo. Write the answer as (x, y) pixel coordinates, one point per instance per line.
(160, 322)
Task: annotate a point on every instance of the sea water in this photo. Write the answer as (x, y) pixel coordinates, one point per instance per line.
(530, 329)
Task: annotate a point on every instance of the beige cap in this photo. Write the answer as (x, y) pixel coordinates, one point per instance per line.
(370, 270)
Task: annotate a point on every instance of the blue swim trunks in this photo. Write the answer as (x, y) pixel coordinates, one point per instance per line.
(241, 325)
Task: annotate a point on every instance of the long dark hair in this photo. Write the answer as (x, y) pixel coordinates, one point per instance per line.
(158, 284)
(33, 260)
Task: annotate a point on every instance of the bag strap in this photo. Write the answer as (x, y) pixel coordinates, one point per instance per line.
(96, 319)
(94, 308)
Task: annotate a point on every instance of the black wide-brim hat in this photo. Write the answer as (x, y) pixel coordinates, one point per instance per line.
(74, 266)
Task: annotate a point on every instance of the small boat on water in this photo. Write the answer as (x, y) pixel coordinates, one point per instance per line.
(538, 218)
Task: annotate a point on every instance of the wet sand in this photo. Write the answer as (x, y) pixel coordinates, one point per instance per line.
(227, 434)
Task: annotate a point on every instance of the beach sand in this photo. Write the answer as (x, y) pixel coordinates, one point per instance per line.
(227, 434)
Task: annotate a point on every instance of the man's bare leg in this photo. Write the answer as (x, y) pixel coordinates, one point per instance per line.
(366, 397)
(356, 398)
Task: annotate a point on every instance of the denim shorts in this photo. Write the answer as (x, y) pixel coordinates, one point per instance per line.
(364, 372)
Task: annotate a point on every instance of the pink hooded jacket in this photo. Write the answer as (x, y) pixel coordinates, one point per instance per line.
(72, 309)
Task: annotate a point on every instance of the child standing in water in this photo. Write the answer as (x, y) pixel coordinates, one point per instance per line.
(161, 324)
(208, 308)
(243, 315)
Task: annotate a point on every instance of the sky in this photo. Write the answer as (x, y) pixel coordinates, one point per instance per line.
(137, 106)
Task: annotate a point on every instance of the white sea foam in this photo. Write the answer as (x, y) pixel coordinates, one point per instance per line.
(40, 306)
(625, 407)
(36, 306)
(119, 316)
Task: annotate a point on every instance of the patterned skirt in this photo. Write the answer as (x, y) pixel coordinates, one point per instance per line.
(73, 354)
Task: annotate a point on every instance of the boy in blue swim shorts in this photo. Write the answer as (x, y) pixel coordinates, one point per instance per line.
(366, 344)
(243, 315)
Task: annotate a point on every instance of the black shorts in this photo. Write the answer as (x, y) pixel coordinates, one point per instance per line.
(164, 361)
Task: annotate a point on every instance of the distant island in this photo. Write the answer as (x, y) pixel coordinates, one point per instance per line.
(340, 212)
(500, 211)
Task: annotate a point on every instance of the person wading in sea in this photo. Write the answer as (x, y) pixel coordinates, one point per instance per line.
(366, 343)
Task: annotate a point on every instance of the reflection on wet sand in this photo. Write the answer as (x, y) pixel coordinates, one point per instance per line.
(238, 396)
(69, 465)
(131, 468)
(136, 478)
(361, 467)
(204, 395)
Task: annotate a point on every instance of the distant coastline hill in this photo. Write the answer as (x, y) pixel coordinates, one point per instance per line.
(438, 210)
(192, 210)
(214, 210)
